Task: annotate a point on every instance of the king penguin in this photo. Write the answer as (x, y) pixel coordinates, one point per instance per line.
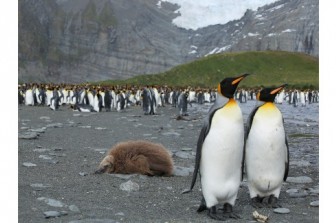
(219, 154)
(266, 151)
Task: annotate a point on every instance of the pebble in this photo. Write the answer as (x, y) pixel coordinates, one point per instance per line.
(171, 134)
(183, 155)
(281, 210)
(55, 125)
(39, 186)
(52, 202)
(290, 191)
(54, 214)
(100, 128)
(41, 150)
(186, 149)
(92, 220)
(28, 164)
(123, 176)
(83, 174)
(314, 203)
(85, 126)
(44, 117)
(28, 135)
(298, 195)
(300, 163)
(181, 171)
(129, 186)
(45, 157)
(299, 180)
(74, 208)
(40, 130)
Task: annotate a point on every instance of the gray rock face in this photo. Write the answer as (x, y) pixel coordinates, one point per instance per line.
(77, 40)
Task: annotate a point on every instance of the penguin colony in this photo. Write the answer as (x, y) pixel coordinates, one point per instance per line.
(225, 150)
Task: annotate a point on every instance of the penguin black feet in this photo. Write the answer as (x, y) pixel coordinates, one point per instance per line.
(202, 206)
(268, 202)
(227, 213)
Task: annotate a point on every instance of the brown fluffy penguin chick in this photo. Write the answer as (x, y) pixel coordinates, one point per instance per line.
(140, 156)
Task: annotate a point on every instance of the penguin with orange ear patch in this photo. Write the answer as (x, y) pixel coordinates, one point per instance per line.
(219, 153)
(266, 151)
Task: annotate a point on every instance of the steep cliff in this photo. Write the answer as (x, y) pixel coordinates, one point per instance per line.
(87, 40)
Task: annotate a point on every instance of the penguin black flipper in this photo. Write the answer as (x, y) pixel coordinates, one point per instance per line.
(248, 128)
(287, 160)
(219, 103)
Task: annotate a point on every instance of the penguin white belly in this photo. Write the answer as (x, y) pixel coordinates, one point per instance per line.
(29, 99)
(266, 154)
(221, 159)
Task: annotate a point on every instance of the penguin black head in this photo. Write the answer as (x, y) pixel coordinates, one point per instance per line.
(268, 94)
(228, 86)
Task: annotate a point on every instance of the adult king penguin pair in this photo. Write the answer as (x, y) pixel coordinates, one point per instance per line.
(221, 149)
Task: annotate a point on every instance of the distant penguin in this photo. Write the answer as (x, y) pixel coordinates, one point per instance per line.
(142, 157)
(97, 102)
(107, 100)
(219, 154)
(29, 97)
(82, 108)
(266, 151)
(146, 101)
(182, 103)
(55, 100)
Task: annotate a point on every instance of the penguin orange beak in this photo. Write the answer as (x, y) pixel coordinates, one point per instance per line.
(276, 90)
(238, 79)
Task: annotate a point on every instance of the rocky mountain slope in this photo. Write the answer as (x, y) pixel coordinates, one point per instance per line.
(86, 40)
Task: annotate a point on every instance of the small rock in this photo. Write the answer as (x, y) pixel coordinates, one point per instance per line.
(74, 208)
(183, 155)
(298, 195)
(55, 125)
(300, 163)
(40, 130)
(171, 134)
(44, 117)
(123, 176)
(83, 174)
(28, 135)
(186, 149)
(54, 214)
(39, 186)
(290, 191)
(281, 210)
(52, 202)
(51, 214)
(27, 164)
(41, 150)
(85, 126)
(299, 180)
(92, 220)
(314, 203)
(129, 186)
(181, 171)
(100, 128)
(45, 157)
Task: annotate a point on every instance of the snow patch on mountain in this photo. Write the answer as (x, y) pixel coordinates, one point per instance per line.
(199, 14)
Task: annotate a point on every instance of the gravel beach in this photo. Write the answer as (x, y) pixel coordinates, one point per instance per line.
(58, 152)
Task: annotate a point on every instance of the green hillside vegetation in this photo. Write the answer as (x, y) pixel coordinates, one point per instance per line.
(269, 68)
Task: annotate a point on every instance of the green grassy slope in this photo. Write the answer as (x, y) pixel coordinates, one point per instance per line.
(269, 68)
